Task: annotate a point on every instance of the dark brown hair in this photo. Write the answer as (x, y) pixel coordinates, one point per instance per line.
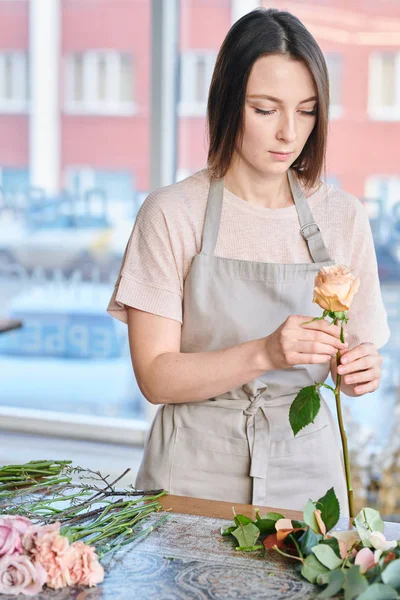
(261, 32)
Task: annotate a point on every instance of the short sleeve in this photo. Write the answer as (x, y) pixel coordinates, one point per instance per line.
(149, 278)
(367, 314)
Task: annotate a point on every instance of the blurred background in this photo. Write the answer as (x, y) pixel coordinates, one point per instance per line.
(101, 101)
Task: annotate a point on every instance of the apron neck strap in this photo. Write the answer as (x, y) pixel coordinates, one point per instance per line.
(308, 228)
(213, 216)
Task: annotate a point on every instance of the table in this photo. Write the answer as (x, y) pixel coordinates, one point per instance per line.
(9, 325)
(186, 558)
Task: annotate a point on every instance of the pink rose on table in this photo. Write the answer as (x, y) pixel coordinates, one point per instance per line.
(21, 524)
(86, 569)
(10, 540)
(335, 288)
(19, 575)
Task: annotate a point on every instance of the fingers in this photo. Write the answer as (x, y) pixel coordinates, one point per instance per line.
(323, 338)
(364, 349)
(372, 386)
(366, 362)
(310, 359)
(321, 325)
(312, 347)
(361, 377)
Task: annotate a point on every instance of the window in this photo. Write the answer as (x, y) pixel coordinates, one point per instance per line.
(384, 86)
(115, 185)
(335, 68)
(13, 82)
(100, 82)
(196, 72)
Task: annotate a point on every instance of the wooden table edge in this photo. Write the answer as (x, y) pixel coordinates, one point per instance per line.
(218, 508)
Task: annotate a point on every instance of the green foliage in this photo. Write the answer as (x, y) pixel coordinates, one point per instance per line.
(246, 535)
(304, 408)
(335, 584)
(309, 517)
(327, 556)
(391, 574)
(355, 583)
(312, 568)
(330, 509)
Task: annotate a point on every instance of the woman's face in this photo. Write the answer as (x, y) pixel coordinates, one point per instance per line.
(281, 122)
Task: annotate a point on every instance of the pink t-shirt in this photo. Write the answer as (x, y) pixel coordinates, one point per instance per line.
(168, 233)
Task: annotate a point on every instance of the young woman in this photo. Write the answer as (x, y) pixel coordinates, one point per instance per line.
(217, 282)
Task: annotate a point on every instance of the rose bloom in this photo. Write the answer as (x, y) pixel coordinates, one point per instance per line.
(335, 287)
(10, 540)
(19, 575)
(12, 527)
(86, 569)
(21, 524)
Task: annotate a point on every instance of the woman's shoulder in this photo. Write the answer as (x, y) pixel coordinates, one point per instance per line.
(339, 203)
(185, 196)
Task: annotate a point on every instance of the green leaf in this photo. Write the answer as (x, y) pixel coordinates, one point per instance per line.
(308, 540)
(298, 524)
(335, 584)
(228, 530)
(266, 526)
(246, 535)
(334, 544)
(312, 568)
(366, 521)
(327, 556)
(309, 516)
(304, 408)
(330, 509)
(355, 583)
(273, 516)
(379, 591)
(391, 574)
(242, 519)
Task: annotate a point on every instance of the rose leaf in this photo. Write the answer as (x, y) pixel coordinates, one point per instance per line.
(304, 408)
(330, 509)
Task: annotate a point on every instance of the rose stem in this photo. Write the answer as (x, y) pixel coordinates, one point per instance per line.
(342, 431)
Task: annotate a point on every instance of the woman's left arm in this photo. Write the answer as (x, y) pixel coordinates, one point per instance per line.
(360, 368)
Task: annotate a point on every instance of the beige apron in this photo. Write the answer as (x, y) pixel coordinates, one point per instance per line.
(239, 446)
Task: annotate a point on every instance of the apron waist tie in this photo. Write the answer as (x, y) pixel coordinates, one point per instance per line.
(258, 435)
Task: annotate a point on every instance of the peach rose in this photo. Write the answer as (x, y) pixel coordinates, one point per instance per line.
(19, 575)
(335, 288)
(86, 569)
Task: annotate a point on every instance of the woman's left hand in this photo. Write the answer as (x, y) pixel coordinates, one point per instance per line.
(361, 369)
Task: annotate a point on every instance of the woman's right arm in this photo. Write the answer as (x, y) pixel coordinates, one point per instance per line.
(167, 376)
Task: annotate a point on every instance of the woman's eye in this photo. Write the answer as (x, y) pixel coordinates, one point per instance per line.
(269, 112)
(263, 112)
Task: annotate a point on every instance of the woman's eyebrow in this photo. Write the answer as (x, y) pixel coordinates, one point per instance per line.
(265, 97)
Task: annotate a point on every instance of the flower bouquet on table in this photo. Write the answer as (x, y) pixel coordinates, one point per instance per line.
(45, 543)
(359, 562)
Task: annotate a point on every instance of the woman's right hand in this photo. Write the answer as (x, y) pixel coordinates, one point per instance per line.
(295, 343)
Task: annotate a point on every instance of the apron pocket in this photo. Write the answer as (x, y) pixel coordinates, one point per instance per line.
(301, 443)
(205, 465)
